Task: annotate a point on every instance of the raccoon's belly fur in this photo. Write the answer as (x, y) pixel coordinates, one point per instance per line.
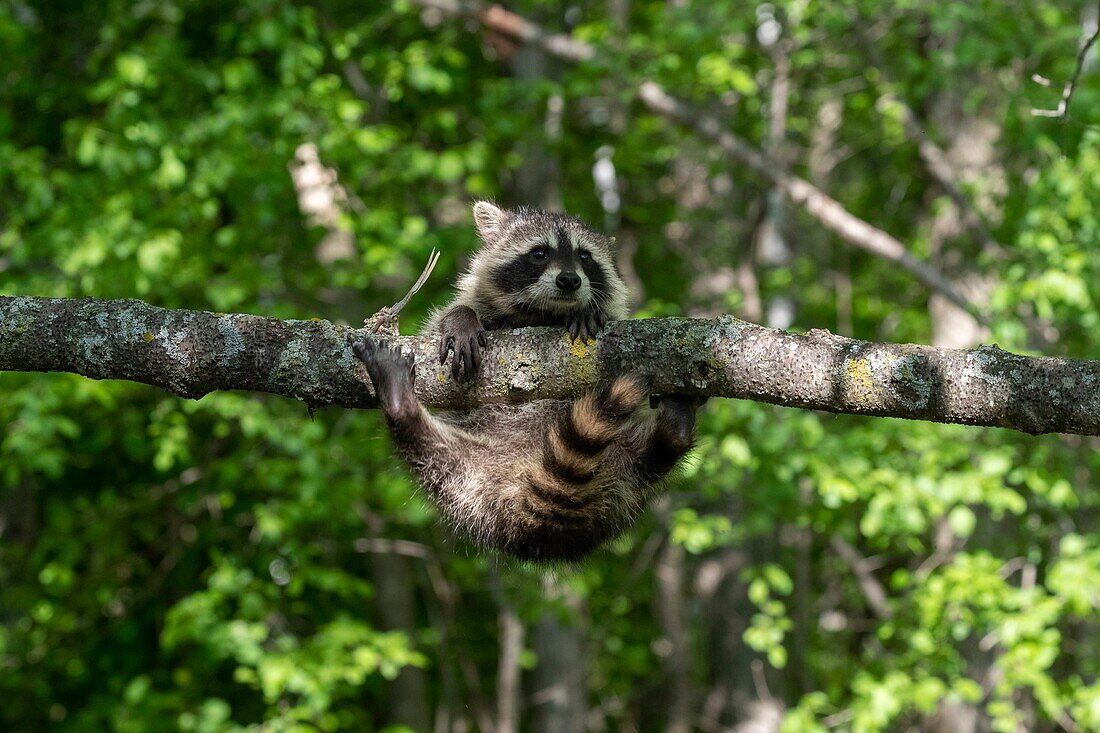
(491, 482)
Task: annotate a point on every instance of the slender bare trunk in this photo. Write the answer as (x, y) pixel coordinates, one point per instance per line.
(511, 633)
(676, 647)
(559, 690)
(397, 611)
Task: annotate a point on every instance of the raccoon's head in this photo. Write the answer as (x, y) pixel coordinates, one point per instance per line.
(536, 262)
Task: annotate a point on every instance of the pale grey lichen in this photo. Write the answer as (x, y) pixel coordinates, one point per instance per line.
(524, 378)
(18, 315)
(337, 335)
(910, 387)
(727, 331)
(983, 366)
(294, 358)
(19, 306)
(170, 343)
(724, 336)
(94, 349)
(133, 323)
(23, 303)
(234, 342)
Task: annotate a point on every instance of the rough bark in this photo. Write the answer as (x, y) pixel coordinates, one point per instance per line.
(192, 353)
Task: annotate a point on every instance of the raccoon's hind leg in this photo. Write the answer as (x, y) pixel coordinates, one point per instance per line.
(447, 460)
(654, 446)
(673, 432)
(426, 443)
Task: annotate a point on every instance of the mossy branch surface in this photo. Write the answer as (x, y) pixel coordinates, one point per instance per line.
(192, 353)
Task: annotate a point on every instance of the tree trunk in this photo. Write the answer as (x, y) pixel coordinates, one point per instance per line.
(559, 682)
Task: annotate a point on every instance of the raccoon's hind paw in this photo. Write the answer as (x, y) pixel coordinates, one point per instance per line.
(461, 334)
(391, 373)
(586, 325)
(676, 420)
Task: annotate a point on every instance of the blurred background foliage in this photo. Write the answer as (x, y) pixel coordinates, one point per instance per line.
(237, 564)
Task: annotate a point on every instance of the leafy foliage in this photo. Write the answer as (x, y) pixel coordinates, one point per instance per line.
(223, 565)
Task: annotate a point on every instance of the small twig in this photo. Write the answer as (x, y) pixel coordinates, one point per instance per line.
(387, 546)
(869, 585)
(1063, 105)
(838, 719)
(433, 258)
(946, 545)
(759, 681)
(385, 320)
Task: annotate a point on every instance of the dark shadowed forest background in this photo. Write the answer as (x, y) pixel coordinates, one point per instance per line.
(235, 563)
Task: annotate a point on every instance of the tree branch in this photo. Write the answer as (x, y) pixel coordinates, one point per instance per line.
(873, 591)
(192, 353)
(494, 17)
(827, 210)
(1062, 110)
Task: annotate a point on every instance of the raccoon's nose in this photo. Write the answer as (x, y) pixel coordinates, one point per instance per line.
(568, 281)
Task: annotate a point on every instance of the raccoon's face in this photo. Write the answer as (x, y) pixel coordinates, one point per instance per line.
(554, 271)
(539, 262)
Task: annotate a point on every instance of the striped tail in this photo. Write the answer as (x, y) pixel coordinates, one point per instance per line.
(574, 447)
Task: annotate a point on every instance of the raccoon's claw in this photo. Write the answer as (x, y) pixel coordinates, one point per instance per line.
(586, 325)
(462, 336)
(574, 329)
(465, 353)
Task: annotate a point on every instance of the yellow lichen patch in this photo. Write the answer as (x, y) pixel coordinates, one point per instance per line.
(148, 336)
(579, 348)
(859, 373)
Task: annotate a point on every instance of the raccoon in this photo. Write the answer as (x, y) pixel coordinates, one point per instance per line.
(549, 480)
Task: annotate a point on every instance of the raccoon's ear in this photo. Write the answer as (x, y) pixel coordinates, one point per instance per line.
(489, 220)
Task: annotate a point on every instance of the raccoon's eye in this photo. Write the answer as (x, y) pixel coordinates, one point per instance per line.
(539, 253)
(584, 256)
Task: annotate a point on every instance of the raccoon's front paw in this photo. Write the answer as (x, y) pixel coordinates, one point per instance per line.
(461, 335)
(391, 373)
(587, 324)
